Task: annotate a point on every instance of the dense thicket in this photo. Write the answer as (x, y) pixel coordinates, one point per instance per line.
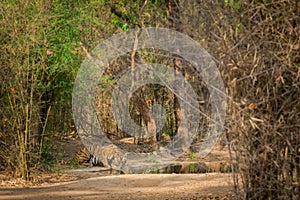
(256, 45)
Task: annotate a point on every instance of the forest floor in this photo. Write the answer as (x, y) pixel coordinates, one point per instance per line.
(88, 184)
(131, 186)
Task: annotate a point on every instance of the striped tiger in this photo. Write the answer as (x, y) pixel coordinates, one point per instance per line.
(108, 156)
(83, 156)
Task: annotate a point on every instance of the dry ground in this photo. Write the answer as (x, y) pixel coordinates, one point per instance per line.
(133, 186)
(98, 185)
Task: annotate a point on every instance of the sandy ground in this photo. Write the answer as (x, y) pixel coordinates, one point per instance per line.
(87, 184)
(131, 186)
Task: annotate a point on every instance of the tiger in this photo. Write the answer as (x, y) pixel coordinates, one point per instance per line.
(83, 156)
(108, 156)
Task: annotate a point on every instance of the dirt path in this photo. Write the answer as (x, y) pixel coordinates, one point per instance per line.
(133, 186)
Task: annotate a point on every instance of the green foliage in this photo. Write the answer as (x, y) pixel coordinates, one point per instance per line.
(41, 51)
(116, 21)
(47, 155)
(151, 170)
(235, 4)
(128, 14)
(192, 155)
(192, 168)
(63, 40)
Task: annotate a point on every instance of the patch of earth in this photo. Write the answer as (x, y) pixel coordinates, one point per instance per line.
(131, 186)
(98, 185)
